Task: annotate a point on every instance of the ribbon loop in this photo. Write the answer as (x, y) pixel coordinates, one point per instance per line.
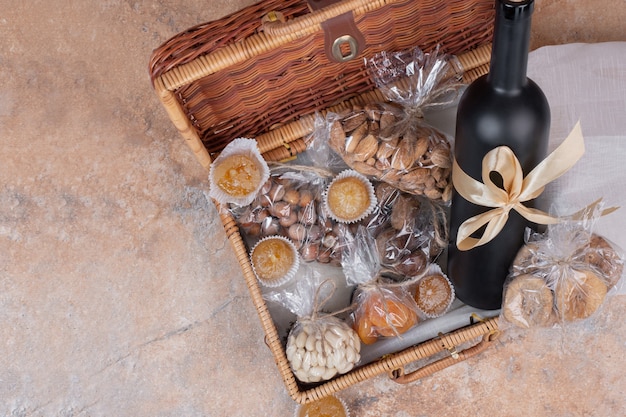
(516, 190)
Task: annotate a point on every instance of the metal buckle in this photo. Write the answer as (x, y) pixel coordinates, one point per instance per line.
(337, 51)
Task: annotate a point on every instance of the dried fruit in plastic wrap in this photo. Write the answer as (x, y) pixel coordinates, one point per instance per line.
(319, 346)
(528, 301)
(290, 204)
(562, 275)
(382, 309)
(410, 231)
(392, 142)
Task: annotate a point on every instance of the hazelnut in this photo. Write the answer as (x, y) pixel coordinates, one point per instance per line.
(292, 196)
(266, 187)
(324, 255)
(309, 251)
(307, 215)
(329, 241)
(253, 229)
(276, 193)
(261, 215)
(270, 226)
(280, 209)
(404, 210)
(297, 232)
(314, 233)
(306, 196)
(289, 220)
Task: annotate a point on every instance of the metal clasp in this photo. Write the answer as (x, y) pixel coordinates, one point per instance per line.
(452, 349)
(338, 51)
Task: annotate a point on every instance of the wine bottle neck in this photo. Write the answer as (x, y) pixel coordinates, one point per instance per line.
(511, 41)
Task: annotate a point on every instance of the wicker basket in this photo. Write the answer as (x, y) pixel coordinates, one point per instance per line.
(264, 71)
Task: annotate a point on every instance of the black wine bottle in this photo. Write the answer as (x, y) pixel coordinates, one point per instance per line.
(502, 108)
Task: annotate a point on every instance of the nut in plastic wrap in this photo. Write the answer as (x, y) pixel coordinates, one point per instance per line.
(392, 141)
(319, 346)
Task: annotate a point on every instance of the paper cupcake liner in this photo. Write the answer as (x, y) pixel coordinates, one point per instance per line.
(436, 270)
(245, 147)
(370, 188)
(301, 409)
(289, 274)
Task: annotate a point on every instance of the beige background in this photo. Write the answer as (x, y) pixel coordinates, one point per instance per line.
(119, 294)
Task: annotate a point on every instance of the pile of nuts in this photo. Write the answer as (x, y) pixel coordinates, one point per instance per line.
(319, 350)
(293, 209)
(417, 160)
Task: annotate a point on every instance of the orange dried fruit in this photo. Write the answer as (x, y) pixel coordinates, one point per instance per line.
(365, 331)
(389, 316)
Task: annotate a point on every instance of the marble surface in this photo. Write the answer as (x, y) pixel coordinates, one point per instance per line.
(119, 293)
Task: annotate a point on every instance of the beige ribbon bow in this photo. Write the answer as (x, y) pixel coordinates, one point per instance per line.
(517, 188)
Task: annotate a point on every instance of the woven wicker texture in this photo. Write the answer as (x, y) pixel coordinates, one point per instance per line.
(232, 77)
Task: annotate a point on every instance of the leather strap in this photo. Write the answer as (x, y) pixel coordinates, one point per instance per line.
(320, 4)
(343, 40)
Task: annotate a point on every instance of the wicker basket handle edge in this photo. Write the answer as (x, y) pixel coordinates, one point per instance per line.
(487, 340)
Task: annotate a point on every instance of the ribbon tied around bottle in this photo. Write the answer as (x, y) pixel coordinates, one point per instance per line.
(516, 190)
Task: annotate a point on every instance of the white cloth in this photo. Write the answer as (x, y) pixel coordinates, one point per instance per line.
(587, 82)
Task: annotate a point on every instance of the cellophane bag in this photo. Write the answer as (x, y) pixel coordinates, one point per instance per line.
(382, 309)
(392, 141)
(319, 345)
(410, 231)
(560, 276)
(290, 204)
